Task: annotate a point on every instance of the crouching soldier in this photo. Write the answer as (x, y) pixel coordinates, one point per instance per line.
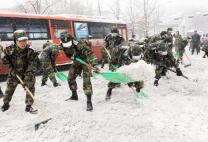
(120, 57)
(20, 59)
(77, 48)
(48, 58)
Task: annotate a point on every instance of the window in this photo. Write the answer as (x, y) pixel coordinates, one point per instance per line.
(100, 30)
(107, 28)
(60, 26)
(57, 32)
(37, 28)
(96, 30)
(6, 29)
(60, 23)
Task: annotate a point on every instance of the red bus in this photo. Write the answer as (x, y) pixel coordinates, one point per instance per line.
(41, 28)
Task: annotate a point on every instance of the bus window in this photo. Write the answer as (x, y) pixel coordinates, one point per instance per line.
(59, 26)
(37, 28)
(6, 28)
(107, 29)
(57, 32)
(96, 30)
(81, 30)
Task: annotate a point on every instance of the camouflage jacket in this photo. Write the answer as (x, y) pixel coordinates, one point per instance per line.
(81, 49)
(120, 57)
(19, 60)
(49, 53)
(178, 40)
(111, 41)
(205, 46)
(136, 47)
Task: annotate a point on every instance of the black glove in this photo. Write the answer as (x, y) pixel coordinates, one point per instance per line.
(156, 82)
(178, 72)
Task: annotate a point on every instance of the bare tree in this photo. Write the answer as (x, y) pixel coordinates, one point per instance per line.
(149, 7)
(132, 15)
(115, 9)
(36, 6)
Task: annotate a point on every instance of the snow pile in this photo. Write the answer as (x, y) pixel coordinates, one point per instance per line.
(138, 71)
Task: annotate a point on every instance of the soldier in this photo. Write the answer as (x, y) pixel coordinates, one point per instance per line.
(78, 48)
(136, 49)
(111, 41)
(20, 59)
(205, 48)
(120, 57)
(158, 53)
(178, 43)
(1, 54)
(48, 58)
(195, 39)
(169, 39)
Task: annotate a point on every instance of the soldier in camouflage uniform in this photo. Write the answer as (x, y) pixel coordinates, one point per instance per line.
(48, 58)
(136, 49)
(180, 44)
(78, 48)
(1, 54)
(112, 40)
(205, 48)
(120, 57)
(158, 53)
(20, 59)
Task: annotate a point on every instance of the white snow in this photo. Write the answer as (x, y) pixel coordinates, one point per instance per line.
(176, 111)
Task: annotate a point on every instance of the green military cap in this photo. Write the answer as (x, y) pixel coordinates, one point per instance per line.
(65, 37)
(20, 35)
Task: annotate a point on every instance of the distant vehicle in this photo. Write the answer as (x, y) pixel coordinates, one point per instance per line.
(41, 28)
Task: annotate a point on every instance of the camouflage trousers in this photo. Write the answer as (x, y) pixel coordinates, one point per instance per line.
(105, 58)
(48, 72)
(137, 84)
(160, 71)
(12, 82)
(167, 61)
(1, 91)
(75, 70)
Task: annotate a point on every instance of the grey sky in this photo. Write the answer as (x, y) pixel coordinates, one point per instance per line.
(173, 8)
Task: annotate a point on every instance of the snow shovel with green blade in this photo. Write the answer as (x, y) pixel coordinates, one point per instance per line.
(61, 76)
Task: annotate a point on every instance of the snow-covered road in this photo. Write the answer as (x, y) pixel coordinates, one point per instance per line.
(176, 111)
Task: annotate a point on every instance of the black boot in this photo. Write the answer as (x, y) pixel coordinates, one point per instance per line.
(89, 103)
(30, 109)
(43, 84)
(74, 96)
(55, 84)
(179, 72)
(156, 82)
(5, 107)
(108, 95)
